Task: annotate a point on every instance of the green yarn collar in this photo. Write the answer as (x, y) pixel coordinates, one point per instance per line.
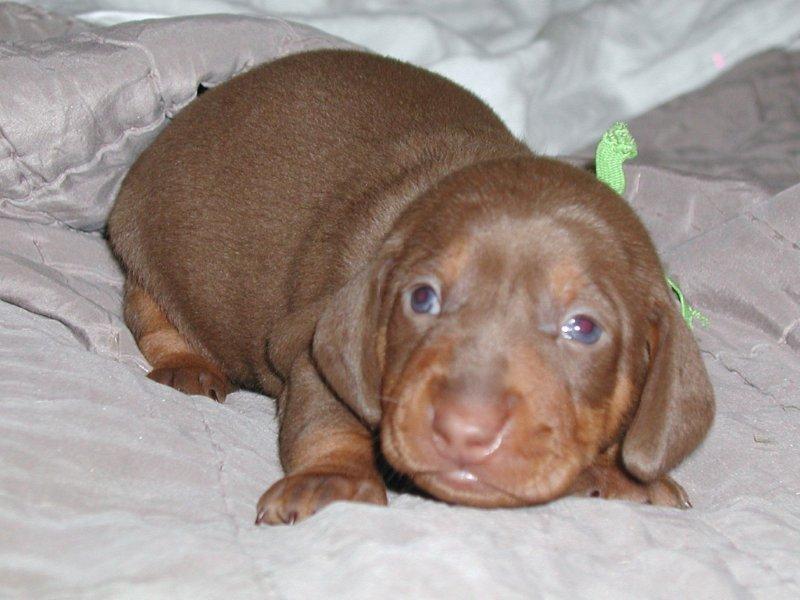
(616, 146)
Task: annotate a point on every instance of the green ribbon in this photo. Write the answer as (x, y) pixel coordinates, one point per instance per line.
(616, 146)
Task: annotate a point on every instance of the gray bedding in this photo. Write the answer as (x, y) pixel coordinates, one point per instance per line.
(114, 486)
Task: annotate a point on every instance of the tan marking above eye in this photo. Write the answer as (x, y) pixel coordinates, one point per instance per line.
(565, 281)
(454, 259)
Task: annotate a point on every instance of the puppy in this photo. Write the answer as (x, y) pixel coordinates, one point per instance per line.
(367, 242)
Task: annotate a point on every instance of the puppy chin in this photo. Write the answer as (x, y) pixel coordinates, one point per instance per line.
(462, 487)
(479, 489)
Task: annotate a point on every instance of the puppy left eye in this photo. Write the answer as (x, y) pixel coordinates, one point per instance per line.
(424, 300)
(581, 329)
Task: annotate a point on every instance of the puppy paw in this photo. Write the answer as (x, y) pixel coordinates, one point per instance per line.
(299, 496)
(613, 484)
(193, 379)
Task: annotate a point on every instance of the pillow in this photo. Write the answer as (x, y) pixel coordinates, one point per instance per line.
(78, 104)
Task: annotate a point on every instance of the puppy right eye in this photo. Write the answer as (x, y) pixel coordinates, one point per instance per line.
(581, 329)
(424, 300)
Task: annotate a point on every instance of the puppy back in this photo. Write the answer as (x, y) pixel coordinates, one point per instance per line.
(269, 191)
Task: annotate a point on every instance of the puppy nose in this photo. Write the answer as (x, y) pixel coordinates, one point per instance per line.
(469, 431)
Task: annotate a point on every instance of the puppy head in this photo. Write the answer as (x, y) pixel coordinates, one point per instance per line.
(515, 325)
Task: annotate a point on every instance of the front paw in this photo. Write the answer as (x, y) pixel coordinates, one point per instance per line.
(299, 496)
(612, 483)
(194, 379)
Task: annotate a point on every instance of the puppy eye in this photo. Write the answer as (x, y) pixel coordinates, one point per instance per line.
(424, 300)
(581, 329)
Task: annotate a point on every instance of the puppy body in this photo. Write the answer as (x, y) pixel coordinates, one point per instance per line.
(274, 231)
(265, 196)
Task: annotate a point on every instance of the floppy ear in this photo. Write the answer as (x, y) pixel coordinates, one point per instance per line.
(349, 341)
(677, 403)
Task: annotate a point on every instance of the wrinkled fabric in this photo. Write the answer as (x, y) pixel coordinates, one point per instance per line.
(114, 486)
(79, 108)
(557, 72)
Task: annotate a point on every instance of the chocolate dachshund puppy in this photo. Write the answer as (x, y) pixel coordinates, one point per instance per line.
(368, 243)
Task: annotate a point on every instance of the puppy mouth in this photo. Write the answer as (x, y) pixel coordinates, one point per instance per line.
(461, 486)
(460, 479)
(509, 482)
(505, 478)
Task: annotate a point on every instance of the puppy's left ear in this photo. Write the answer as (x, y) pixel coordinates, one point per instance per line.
(349, 340)
(676, 407)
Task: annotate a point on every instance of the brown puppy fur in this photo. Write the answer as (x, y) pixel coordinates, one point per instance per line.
(275, 232)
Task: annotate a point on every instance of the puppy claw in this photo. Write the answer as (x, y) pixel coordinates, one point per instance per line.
(297, 497)
(193, 380)
(667, 492)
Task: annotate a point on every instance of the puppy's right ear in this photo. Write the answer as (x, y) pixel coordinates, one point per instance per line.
(676, 407)
(349, 340)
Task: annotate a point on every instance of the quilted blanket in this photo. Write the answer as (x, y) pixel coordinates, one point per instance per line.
(114, 486)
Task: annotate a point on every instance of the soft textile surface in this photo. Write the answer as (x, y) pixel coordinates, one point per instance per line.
(114, 486)
(558, 72)
(77, 109)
